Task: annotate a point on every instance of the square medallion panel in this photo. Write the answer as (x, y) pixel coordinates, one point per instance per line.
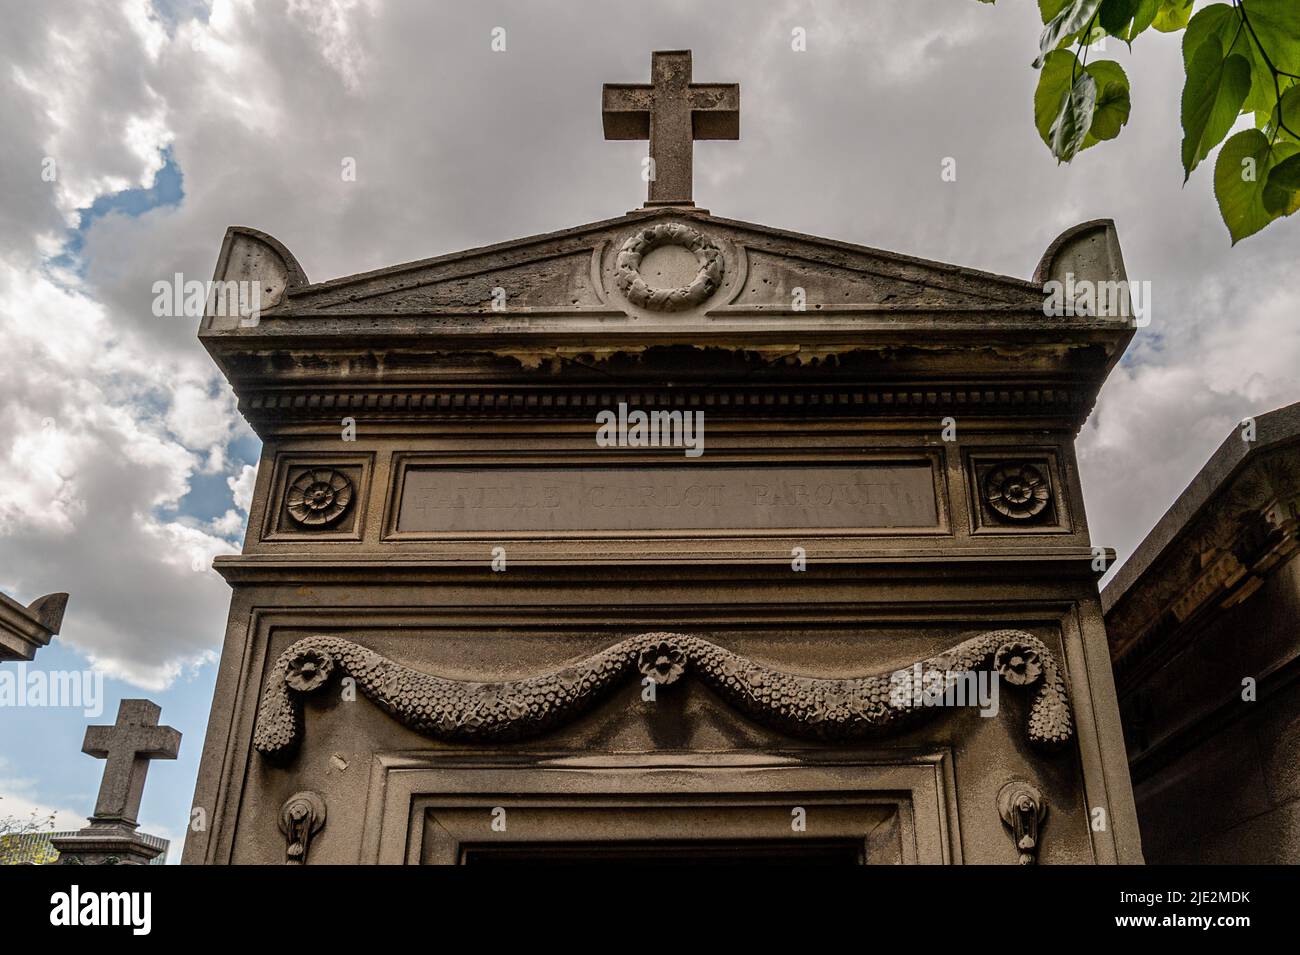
(318, 497)
(1019, 491)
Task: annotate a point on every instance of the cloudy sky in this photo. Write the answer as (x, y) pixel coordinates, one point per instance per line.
(126, 466)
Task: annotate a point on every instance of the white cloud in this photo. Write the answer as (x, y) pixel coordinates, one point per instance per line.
(335, 24)
(241, 487)
(18, 802)
(200, 415)
(112, 415)
(229, 524)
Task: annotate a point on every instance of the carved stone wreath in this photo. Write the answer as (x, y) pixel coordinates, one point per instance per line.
(628, 264)
(1017, 492)
(466, 711)
(318, 497)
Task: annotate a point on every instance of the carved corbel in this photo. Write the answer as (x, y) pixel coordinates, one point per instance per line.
(1023, 809)
(301, 817)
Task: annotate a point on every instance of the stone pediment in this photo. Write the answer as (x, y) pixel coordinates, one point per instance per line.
(542, 324)
(24, 630)
(758, 268)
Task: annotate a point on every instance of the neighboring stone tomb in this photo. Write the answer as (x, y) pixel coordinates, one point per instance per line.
(1203, 630)
(24, 630)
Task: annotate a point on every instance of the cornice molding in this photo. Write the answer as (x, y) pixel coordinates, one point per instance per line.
(728, 401)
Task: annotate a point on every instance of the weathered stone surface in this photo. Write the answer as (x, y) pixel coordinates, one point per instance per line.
(383, 640)
(1201, 621)
(105, 844)
(127, 747)
(24, 630)
(682, 497)
(672, 112)
(471, 711)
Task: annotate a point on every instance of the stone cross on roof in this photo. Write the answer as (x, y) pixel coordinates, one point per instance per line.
(671, 112)
(128, 745)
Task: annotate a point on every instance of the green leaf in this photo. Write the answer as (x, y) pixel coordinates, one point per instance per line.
(1284, 118)
(1113, 106)
(1070, 129)
(1224, 23)
(1096, 34)
(1116, 15)
(1054, 82)
(1048, 9)
(1212, 98)
(1217, 20)
(1282, 190)
(1263, 94)
(1143, 18)
(1072, 18)
(1240, 175)
(1113, 103)
(1172, 15)
(1277, 25)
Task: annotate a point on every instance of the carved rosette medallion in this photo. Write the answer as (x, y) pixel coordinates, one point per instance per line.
(318, 497)
(1017, 492)
(309, 670)
(1017, 663)
(628, 267)
(662, 662)
(810, 707)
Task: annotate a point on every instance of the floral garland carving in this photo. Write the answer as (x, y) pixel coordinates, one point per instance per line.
(466, 711)
(628, 266)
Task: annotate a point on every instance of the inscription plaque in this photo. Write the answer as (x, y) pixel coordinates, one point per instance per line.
(668, 497)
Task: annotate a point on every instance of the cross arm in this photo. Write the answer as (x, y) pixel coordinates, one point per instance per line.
(154, 742)
(625, 110)
(98, 741)
(715, 110)
(160, 742)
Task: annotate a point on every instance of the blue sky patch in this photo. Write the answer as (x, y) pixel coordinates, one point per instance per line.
(167, 190)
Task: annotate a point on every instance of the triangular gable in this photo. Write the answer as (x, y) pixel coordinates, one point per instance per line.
(577, 269)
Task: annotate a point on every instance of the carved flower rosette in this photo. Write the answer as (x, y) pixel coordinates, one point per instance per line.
(1017, 492)
(662, 662)
(1018, 663)
(318, 497)
(308, 670)
(630, 282)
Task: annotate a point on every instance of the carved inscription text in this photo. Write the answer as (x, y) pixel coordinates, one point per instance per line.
(681, 497)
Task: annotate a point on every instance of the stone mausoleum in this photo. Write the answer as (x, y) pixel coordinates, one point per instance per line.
(1204, 627)
(464, 630)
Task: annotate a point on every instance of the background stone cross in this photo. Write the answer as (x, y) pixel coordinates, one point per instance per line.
(671, 112)
(128, 745)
